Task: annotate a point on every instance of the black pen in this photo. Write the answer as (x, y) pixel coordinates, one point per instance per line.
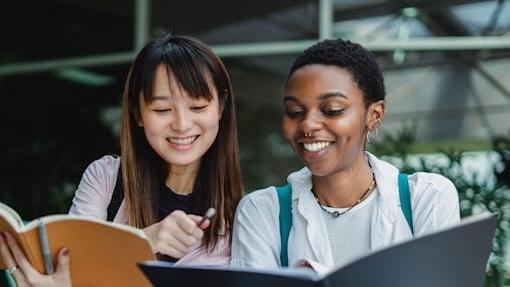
(208, 215)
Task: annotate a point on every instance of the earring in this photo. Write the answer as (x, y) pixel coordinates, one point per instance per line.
(377, 127)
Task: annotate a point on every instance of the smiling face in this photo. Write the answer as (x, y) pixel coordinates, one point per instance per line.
(326, 101)
(178, 127)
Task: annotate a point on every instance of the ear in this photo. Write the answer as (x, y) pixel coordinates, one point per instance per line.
(137, 113)
(375, 114)
(138, 119)
(221, 108)
(139, 122)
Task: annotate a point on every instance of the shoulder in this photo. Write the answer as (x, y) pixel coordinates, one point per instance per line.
(422, 185)
(105, 163)
(95, 189)
(426, 184)
(103, 169)
(261, 200)
(435, 202)
(255, 241)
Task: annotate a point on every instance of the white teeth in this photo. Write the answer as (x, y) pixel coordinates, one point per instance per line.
(316, 146)
(183, 141)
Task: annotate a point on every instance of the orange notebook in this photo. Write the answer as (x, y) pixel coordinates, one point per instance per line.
(102, 253)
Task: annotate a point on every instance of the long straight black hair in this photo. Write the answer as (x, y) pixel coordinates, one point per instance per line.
(218, 183)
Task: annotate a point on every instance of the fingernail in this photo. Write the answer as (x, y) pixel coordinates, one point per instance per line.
(65, 251)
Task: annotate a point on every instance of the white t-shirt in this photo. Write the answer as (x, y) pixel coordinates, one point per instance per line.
(349, 234)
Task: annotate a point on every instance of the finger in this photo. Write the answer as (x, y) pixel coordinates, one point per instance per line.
(199, 232)
(198, 221)
(168, 236)
(185, 239)
(9, 261)
(63, 262)
(186, 223)
(6, 253)
(172, 241)
(206, 224)
(171, 230)
(63, 274)
(20, 257)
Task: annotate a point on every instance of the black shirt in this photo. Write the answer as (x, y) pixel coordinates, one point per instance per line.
(168, 202)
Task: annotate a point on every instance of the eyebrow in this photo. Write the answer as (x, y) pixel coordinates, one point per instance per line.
(290, 98)
(332, 94)
(321, 97)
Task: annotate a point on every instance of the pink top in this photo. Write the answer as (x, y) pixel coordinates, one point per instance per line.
(93, 197)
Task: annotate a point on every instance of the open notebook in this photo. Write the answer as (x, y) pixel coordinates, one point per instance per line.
(456, 256)
(102, 253)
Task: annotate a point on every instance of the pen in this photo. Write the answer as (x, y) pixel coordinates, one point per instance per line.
(208, 215)
(45, 247)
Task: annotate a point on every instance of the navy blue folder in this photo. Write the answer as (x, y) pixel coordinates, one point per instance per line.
(456, 256)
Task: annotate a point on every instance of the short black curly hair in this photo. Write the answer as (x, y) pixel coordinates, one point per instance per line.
(350, 56)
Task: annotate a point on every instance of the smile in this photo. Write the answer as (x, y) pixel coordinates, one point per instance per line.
(183, 141)
(316, 146)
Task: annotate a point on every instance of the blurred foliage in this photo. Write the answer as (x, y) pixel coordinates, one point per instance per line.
(476, 193)
(266, 157)
(48, 140)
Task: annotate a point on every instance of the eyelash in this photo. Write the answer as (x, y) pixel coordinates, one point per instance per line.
(332, 112)
(160, 111)
(198, 108)
(293, 114)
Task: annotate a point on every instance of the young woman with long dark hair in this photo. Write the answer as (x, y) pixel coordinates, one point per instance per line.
(179, 156)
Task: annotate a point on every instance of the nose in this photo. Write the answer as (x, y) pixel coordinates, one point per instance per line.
(182, 121)
(311, 122)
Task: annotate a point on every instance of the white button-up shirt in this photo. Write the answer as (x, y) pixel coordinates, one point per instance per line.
(256, 239)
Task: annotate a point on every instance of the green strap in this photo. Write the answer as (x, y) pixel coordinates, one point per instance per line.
(405, 199)
(9, 280)
(285, 218)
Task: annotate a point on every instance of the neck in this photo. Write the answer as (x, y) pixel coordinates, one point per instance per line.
(181, 179)
(343, 188)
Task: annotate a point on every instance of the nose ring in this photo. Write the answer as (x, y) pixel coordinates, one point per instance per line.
(308, 134)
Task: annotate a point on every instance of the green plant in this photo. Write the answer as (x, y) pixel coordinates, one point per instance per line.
(476, 192)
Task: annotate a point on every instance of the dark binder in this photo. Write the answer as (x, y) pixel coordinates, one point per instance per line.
(456, 256)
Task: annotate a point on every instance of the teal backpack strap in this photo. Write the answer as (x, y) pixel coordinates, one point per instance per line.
(7, 279)
(405, 199)
(285, 218)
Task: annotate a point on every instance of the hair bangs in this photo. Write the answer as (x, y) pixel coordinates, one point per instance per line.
(189, 70)
(148, 78)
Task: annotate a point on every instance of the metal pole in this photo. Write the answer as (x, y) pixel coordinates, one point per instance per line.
(141, 24)
(260, 49)
(84, 61)
(325, 19)
(275, 48)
